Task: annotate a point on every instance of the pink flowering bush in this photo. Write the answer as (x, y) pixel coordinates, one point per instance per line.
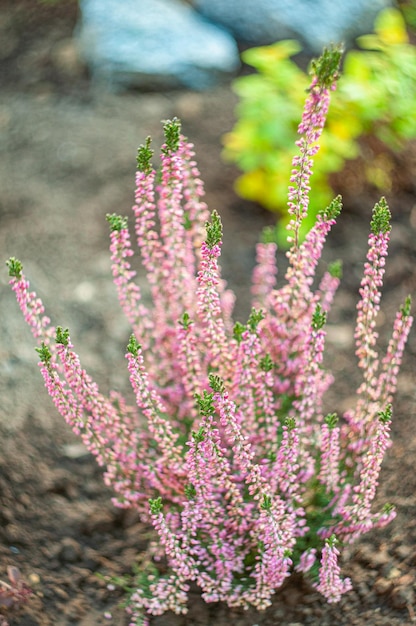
(228, 453)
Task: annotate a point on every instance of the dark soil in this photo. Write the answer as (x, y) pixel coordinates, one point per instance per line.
(68, 158)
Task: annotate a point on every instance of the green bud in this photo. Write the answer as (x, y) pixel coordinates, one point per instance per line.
(266, 505)
(144, 155)
(155, 506)
(62, 336)
(216, 383)
(185, 321)
(255, 318)
(214, 230)
(133, 346)
(238, 330)
(388, 508)
(269, 234)
(204, 403)
(190, 491)
(199, 435)
(326, 68)
(172, 129)
(318, 318)
(333, 210)
(290, 423)
(331, 420)
(405, 308)
(386, 415)
(266, 363)
(187, 222)
(381, 218)
(15, 267)
(335, 269)
(117, 222)
(44, 353)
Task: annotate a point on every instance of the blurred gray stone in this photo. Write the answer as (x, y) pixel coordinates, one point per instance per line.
(156, 44)
(316, 23)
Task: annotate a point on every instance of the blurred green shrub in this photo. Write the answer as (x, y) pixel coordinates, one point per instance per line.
(376, 95)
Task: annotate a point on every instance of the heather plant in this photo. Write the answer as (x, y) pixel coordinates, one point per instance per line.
(229, 453)
(376, 96)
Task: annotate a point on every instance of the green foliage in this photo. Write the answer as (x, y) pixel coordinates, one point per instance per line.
(376, 95)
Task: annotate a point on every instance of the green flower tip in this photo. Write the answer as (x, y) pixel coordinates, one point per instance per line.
(204, 403)
(405, 308)
(190, 491)
(133, 346)
(332, 211)
(380, 224)
(216, 383)
(144, 155)
(318, 318)
(290, 423)
(62, 336)
(385, 416)
(269, 234)
(332, 541)
(117, 222)
(15, 268)
(331, 420)
(335, 269)
(255, 318)
(198, 436)
(44, 353)
(266, 363)
(326, 68)
(388, 508)
(172, 130)
(155, 506)
(266, 505)
(185, 321)
(214, 230)
(187, 222)
(238, 330)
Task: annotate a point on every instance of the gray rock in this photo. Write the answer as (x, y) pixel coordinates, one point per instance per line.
(158, 44)
(316, 23)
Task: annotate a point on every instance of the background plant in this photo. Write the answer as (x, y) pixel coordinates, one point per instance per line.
(376, 95)
(13, 594)
(229, 453)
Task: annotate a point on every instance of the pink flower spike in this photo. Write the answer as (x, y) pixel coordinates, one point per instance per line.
(331, 585)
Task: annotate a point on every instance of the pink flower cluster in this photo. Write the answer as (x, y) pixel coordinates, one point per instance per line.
(228, 453)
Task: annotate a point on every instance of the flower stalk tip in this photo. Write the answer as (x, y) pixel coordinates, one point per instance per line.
(62, 336)
(44, 353)
(144, 156)
(172, 130)
(214, 230)
(326, 67)
(133, 346)
(15, 268)
(381, 217)
(117, 222)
